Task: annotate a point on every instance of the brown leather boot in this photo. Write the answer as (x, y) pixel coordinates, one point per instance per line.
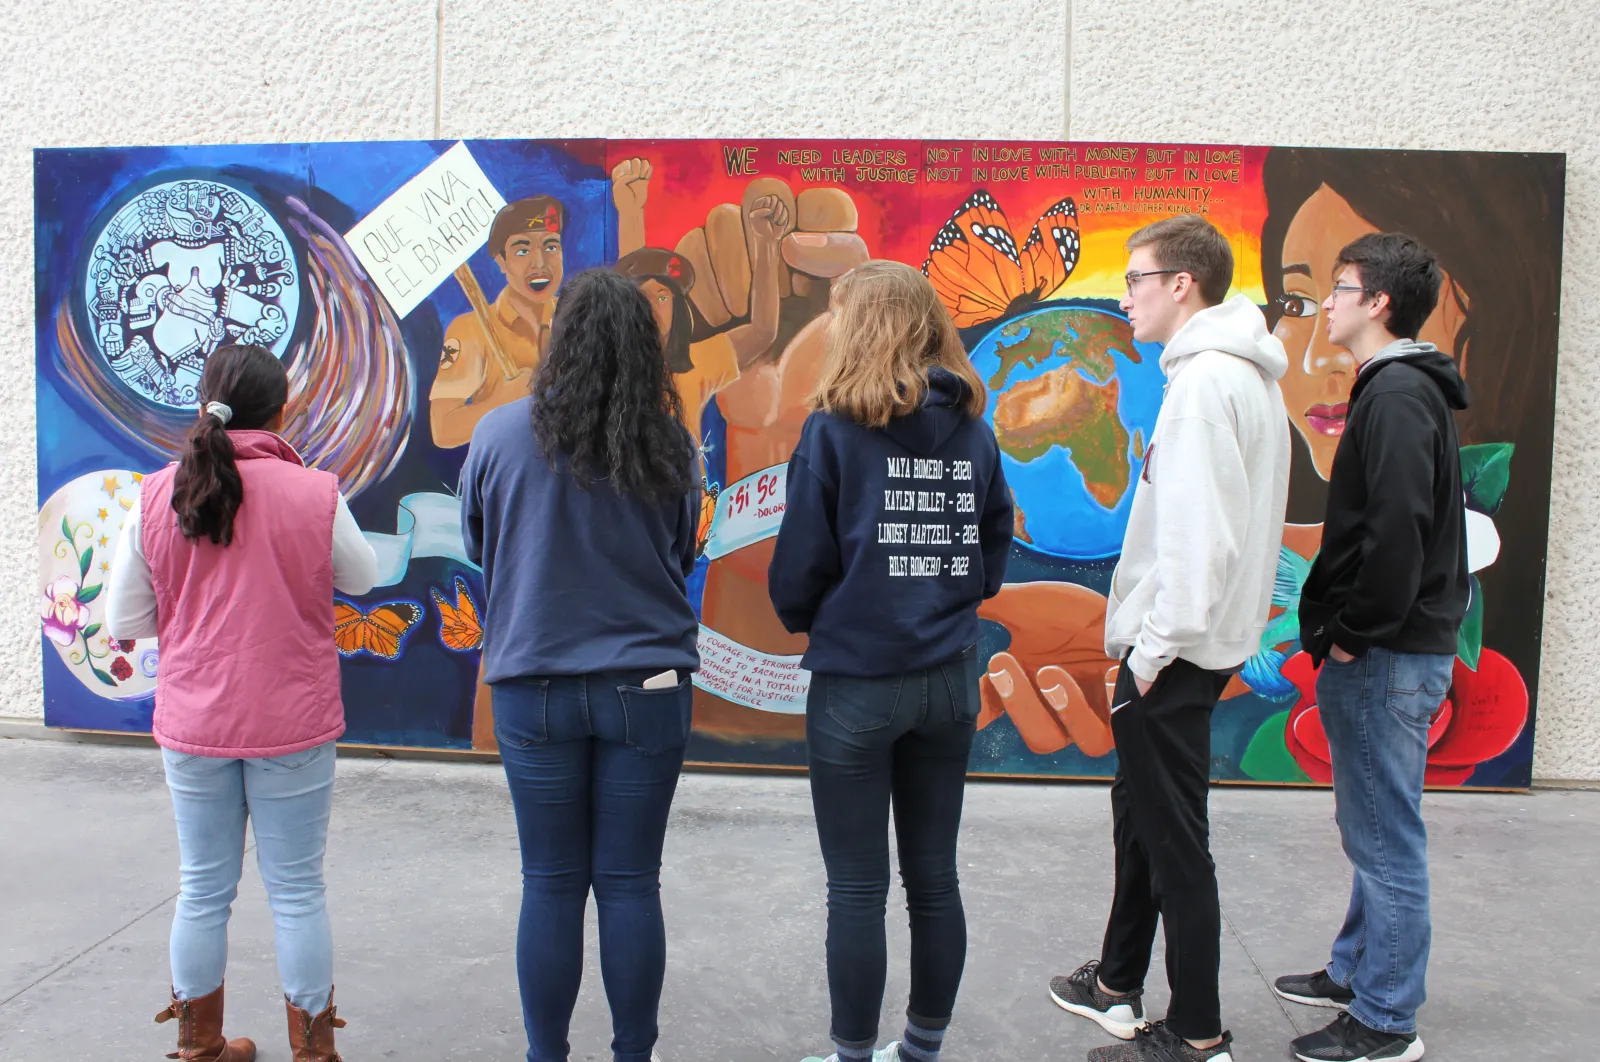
(311, 1039)
(200, 1036)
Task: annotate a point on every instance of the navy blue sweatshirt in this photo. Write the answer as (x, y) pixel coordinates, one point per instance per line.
(892, 536)
(578, 580)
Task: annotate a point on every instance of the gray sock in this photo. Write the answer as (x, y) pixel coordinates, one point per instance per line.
(921, 1044)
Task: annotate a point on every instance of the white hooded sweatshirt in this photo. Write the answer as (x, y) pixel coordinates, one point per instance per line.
(1201, 550)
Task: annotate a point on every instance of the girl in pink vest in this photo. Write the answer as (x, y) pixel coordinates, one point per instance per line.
(231, 559)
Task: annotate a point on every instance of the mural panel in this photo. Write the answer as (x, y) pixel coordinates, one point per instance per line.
(409, 287)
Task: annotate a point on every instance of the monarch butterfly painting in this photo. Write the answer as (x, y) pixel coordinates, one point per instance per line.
(459, 627)
(980, 274)
(708, 512)
(381, 632)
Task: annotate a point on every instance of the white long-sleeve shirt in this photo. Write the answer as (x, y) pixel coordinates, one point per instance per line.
(131, 596)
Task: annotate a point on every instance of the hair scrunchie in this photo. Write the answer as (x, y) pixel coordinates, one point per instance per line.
(222, 412)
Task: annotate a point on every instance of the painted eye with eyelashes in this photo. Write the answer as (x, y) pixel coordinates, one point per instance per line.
(1292, 305)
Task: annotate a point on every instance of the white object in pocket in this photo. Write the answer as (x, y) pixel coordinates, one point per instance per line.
(666, 680)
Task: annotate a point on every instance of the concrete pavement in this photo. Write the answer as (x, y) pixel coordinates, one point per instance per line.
(423, 886)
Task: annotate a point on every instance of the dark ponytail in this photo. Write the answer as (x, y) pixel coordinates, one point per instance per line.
(253, 385)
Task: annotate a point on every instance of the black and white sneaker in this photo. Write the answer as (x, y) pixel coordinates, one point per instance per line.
(1314, 990)
(1157, 1043)
(1079, 993)
(1347, 1040)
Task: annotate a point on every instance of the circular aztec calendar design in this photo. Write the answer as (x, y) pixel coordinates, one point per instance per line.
(181, 269)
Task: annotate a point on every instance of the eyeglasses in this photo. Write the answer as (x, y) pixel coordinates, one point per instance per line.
(1337, 288)
(1133, 278)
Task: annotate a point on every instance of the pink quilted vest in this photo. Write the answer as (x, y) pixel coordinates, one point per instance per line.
(248, 663)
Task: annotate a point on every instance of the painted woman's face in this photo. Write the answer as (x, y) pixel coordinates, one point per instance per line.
(660, 297)
(1316, 388)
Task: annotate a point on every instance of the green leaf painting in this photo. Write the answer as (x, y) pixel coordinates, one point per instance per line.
(1485, 474)
(1469, 640)
(1267, 759)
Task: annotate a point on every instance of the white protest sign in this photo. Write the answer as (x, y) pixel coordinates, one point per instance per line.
(427, 229)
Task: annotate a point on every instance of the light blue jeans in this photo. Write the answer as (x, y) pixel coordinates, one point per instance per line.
(1376, 711)
(288, 800)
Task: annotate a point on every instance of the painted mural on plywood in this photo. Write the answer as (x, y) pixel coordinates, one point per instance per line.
(409, 288)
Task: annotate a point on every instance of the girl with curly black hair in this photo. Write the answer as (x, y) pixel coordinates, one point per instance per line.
(580, 504)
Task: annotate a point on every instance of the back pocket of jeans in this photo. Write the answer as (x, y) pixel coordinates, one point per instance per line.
(961, 679)
(297, 761)
(521, 716)
(863, 704)
(1418, 685)
(658, 720)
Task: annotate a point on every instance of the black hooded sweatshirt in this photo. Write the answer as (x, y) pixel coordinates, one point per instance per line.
(891, 536)
(1392, 572)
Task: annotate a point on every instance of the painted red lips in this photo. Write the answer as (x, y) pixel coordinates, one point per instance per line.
(1329, 420)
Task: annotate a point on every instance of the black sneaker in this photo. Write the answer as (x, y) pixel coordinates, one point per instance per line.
(1079, 993)
(1314, 990)
(1157, 1043)
(1347, 1040)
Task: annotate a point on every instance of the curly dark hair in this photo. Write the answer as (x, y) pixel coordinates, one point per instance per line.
(603, 398)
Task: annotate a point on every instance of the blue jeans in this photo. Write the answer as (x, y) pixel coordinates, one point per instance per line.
(1376, 711)
(902, 739)
(593, 762)
(288, 800)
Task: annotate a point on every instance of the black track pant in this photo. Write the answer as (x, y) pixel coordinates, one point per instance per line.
(1163, 839)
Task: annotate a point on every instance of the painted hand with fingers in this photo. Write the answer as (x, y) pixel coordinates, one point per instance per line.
(1052, 679)
(630, 184)
(769, 219)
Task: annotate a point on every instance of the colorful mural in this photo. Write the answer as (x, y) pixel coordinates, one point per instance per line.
(409, 287)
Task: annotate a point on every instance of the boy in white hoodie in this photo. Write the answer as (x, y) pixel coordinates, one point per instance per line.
(1188, 603)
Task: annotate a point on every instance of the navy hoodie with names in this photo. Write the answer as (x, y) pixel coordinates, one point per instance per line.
(892, 536)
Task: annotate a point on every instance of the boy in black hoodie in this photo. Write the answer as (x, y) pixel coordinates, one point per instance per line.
(1380, 613)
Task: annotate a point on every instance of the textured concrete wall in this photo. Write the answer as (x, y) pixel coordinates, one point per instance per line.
(1464, 74)
(96, 73)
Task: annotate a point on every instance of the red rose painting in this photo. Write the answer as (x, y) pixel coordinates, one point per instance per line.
(1481, 717)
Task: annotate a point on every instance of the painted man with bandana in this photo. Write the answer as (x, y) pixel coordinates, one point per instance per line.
(489, 357)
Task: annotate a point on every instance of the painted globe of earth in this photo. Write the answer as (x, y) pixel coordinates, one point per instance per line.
(1073, 401)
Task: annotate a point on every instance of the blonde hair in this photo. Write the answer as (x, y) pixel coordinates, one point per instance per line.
(888, 330)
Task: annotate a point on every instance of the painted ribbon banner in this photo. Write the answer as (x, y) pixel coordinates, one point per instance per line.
(749, 677)
(426, 525)
(369, 269)
(749, 511)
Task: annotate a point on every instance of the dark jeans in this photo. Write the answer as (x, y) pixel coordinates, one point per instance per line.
(872, 741)
(593, 762)
(1376, 710)
(1163, 841)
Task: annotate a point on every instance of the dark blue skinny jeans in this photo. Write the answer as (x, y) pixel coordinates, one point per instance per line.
(593, 762)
